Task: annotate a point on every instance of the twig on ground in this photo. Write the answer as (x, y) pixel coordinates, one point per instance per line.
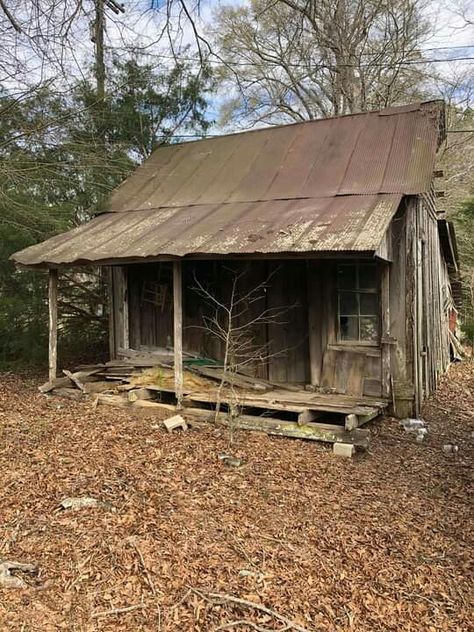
(145, 569)
(223, 598)
(251, 624)
(107, 613)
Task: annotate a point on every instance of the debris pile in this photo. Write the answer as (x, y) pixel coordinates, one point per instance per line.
(143, 380)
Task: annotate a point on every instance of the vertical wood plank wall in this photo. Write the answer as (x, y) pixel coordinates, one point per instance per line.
(304, 346)
(419, 302)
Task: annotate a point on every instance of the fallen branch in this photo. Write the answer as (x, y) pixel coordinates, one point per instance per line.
(221, 598)
(107, 613)
(145, 569)
(250, 624)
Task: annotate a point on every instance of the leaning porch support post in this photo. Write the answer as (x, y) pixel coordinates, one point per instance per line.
(178, 330)
(53, 324)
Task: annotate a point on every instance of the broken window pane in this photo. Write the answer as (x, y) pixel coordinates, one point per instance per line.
(349, 327)
(369, 329)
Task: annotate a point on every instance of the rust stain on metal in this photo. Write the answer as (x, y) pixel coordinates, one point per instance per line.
(324, 185)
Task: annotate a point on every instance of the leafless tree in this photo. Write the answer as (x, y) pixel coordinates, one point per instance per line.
(44, 39)
(235, 321)
(302, 59)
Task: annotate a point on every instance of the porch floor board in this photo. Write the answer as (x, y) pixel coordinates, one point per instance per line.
(297, 402)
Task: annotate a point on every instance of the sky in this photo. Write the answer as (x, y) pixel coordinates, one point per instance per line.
(142, 23)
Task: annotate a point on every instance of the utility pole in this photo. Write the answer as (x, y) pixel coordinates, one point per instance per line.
(99, 28)
(98, 39)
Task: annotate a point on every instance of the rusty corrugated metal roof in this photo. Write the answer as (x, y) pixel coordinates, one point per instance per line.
(329, 184)
(346, 223)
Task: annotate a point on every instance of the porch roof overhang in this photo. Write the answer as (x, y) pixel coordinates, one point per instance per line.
(287, 227)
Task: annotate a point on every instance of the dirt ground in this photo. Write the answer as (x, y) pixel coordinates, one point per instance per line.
(381, 542)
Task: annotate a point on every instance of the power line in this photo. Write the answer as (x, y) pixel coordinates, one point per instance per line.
(397, 64)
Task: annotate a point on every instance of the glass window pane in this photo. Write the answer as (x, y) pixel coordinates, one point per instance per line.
(349, 329)
(368, 277)
(346, 277)
(348, 303)
(368, 304)
(369, 329)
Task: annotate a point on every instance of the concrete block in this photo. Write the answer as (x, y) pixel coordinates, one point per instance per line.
(175, 422)
(346, 450)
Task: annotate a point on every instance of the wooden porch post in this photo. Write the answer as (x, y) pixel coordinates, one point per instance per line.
(53, 324)
(386, 342)
(178, 330)
(125, 310)
(110, 293)
(315, 305)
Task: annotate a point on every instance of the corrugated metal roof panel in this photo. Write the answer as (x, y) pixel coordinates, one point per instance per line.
(317, 186)
(349, 223)
(375, 152)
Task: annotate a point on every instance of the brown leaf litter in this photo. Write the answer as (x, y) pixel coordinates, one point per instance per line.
(310, 541)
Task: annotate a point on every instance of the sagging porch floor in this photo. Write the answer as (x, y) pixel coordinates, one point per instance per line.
(244, 401)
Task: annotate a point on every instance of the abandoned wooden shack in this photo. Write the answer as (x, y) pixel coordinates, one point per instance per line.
(334, 221)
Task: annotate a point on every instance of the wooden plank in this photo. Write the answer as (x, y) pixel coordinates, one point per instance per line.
(74, 378)
(385, 329)
(58, 382)
(315, 314)
(256, 402)
(312, 431)
(125, 308)
(178, 329)
(236, 379)
(140, 393)
(355, 378)
(372, 387)
(110, 296)
(307, 416)
(53, 324)
(368, 351)
(329, 368)
(69, 393)
(98, 387)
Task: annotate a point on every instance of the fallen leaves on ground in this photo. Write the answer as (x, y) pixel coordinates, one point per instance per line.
(381, 542)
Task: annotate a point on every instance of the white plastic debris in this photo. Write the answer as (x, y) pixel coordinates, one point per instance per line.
(81, 503)
(412, 425)
(421, 434)
(230, 461)
(7, 577)
(450, 448)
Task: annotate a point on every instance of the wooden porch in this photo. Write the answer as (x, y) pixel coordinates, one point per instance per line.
(145, 382)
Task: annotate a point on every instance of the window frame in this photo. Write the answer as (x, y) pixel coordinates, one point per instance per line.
(358, 291)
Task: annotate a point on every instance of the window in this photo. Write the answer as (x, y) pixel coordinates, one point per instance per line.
(358, 302)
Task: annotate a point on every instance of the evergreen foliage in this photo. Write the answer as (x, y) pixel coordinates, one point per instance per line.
(60, 157)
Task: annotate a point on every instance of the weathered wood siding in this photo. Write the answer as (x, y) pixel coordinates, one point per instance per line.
(284, 340)
(301, 343)
(419, 304)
